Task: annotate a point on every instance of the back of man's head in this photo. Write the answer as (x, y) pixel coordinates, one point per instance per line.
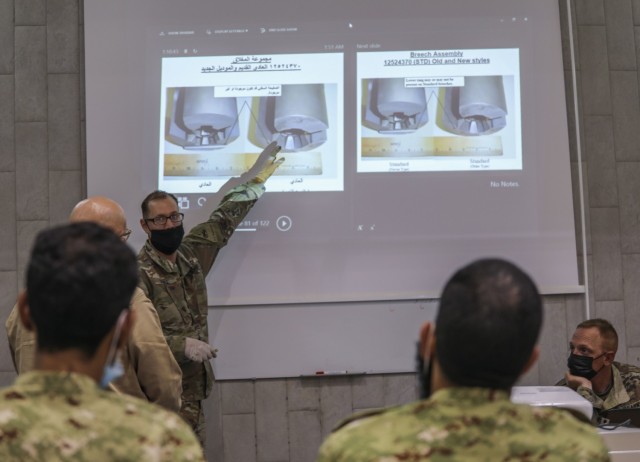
(80, 277)
(487, 325)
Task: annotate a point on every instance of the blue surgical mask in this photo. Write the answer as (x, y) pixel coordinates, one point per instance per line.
(113, 368)
(111, 372)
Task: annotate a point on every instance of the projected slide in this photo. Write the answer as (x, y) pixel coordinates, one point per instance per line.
(416, 137)
(219, 112)
(439, 110)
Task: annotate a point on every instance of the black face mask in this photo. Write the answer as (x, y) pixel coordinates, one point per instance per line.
(424, 374)
(167, 241)
(582, 366)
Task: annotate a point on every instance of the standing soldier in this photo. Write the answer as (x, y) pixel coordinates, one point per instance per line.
(173, 271)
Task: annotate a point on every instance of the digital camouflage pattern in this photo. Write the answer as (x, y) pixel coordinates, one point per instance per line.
(624, 393)
(62, 416)
(466, 424)
(150, 371)
(193, 414)
(178, 290)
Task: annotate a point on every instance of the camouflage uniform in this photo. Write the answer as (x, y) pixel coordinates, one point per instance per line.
(624, 393)
(150, 371)
(63, 416)
(471, 424)
(179, 293)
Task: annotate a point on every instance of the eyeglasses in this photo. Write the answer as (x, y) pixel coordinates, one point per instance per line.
(125, 235)
(161, 219)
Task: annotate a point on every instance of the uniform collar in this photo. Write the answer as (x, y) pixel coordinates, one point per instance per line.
(470, 395)
(618, 393)
(59, 383)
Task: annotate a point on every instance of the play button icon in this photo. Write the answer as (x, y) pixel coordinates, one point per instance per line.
(283, 223)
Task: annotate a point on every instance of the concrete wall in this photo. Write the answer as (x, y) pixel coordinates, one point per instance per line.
(42, 155)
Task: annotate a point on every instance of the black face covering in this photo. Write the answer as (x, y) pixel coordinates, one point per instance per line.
(424, 374)
(582, 366)
(167, 241)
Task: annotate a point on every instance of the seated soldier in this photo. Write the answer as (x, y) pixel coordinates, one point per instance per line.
(80, 279)
(484, 339)
(150, 371)
(594, 373)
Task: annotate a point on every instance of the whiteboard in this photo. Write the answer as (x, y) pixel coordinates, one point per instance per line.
(301, 340)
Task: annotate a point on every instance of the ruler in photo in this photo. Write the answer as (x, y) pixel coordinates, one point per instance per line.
(432, 146)
(218, 164)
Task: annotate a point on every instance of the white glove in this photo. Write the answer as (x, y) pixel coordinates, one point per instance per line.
(198, 351)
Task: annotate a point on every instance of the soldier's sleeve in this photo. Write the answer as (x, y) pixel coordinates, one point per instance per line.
(206, 239)
(22, 343)
(586, 393)
(175, 342)
(358, 416)
(590, 395)
(331, 450)
(156, 368)
(630, 378)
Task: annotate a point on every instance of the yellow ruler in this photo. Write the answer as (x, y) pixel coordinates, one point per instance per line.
(221, 164)
(397, 146)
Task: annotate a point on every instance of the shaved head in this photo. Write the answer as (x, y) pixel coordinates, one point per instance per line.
(101, 210)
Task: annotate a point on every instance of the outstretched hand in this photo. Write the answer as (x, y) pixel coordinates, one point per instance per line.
(271, 163)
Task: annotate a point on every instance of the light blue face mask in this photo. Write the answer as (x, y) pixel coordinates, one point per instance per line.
(113, 368)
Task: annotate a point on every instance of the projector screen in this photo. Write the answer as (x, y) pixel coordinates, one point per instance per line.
(418, 136)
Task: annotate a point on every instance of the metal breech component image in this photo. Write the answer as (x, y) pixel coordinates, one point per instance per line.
(199, 120)
(392, 108)
(477, 108)
(297, 119)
